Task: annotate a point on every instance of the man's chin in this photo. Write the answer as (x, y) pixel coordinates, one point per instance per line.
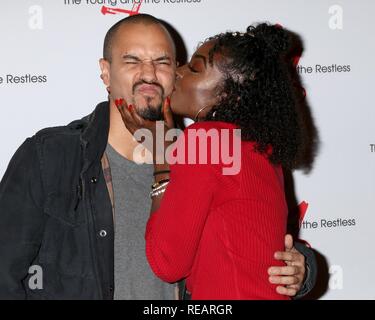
(148, 107)
(151, 113)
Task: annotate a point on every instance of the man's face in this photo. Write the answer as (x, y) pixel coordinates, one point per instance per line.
(143, 66)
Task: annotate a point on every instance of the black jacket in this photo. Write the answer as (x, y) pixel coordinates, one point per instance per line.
(56, 213)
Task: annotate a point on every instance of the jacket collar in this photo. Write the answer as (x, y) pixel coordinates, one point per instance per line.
(94, 137)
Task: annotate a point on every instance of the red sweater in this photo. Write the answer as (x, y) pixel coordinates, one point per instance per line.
(219, 231)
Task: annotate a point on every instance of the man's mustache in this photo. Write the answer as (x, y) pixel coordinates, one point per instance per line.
(139, 83)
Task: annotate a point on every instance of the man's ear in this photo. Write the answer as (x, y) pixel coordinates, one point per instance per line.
(105, 75)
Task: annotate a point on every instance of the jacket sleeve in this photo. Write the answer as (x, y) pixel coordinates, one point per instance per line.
(21, 219)
(174, 231)
(311, 269)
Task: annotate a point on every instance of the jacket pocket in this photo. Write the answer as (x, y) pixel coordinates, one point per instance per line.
(65, 207)
(65, 248)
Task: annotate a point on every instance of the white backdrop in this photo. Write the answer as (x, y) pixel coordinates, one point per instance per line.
(49, 75)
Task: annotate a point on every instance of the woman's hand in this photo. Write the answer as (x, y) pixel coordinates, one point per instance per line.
(133, 122)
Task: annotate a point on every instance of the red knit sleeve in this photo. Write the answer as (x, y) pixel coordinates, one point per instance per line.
(174, 231)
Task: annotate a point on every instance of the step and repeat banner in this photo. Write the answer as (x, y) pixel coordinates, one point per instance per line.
(49, 75)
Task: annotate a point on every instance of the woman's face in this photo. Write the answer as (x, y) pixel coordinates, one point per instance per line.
(196, 84)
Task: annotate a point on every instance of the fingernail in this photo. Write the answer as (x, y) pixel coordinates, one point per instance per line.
(168, 100)
(130, 107)
(119, 102)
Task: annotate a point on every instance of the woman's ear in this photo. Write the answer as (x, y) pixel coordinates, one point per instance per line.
(105, 75)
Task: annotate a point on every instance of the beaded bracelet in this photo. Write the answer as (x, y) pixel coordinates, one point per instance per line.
(160, 187)
(155, 193)
(157, 184)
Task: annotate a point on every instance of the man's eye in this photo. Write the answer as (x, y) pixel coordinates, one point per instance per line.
(167, 63)
(131, 62)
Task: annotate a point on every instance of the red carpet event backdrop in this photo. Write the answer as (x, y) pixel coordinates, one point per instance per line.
(49, 75)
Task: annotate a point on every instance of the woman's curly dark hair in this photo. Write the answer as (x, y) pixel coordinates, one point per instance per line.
(257, 93)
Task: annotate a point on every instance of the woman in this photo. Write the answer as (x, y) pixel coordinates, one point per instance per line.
(219, 229)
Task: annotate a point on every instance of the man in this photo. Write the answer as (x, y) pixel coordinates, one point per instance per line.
(73, 202)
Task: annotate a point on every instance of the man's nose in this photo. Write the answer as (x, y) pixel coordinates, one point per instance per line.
(148, 71)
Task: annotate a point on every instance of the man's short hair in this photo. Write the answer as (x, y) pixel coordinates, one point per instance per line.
(146, 19)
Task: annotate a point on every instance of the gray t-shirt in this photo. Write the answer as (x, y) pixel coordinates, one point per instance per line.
(134, 278)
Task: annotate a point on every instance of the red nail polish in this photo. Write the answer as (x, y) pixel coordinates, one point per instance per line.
(168, 100)
(130, 107)
(119, 102)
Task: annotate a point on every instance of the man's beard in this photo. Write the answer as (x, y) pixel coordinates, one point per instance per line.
(151, 113)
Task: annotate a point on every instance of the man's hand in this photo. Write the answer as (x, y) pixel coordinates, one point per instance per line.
(290, 278)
